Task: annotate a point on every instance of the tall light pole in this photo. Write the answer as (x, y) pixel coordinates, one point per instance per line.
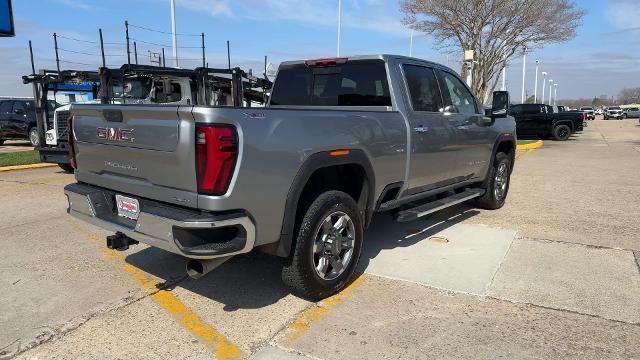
(535, 88)
(339, 25)
(411, 44)
(524, 67)
(555, 93)
(544, 84)
(173, 33)
(550, 88)
(504, 73)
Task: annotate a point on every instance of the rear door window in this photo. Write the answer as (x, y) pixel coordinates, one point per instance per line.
(423, 88)
(6, 107)
(358, 83)
(457, 97)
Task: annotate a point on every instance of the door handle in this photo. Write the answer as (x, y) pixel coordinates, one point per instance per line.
(421, 129)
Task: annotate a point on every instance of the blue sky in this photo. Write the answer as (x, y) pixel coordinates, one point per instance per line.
(602, 59)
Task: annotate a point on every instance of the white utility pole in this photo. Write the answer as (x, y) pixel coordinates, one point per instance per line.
(173, 33)
(535, 91)
(550, 88)
(504, 76)
(555, 93)
(339, 25)
(411, 44)
(544, 84)
(524, 67)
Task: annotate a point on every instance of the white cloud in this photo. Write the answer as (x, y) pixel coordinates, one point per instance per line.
(213, 7)
(623, 14)
(78, 4)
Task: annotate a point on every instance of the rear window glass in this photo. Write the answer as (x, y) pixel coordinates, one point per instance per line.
(360, 83)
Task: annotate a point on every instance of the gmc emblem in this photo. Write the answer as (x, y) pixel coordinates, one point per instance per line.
(113, 134)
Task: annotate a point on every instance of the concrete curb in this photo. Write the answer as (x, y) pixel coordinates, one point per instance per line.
(533, 145)
(26, 167)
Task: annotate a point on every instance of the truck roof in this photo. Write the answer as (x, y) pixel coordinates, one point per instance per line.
(384, 57)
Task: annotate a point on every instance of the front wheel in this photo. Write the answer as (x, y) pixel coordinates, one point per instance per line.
(561, 132)
(498, 187)
(327, 248)
(34, 139)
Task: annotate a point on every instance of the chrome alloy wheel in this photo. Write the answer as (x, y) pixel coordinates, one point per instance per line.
(333, 245)
(501, 182)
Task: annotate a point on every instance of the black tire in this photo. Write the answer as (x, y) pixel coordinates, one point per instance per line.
(66, 168)
(299, 271)
(561, 132)
(1, 141)
(490, 200)
(34, 138)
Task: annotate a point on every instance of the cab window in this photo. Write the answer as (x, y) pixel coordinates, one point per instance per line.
(457, 98)
(423, 88)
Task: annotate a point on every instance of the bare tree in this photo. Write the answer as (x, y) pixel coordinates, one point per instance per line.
(629, 96)
(495, 29)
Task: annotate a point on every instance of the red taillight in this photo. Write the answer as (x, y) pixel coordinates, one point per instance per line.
(326, 62)
(72, 153)
(216, 154)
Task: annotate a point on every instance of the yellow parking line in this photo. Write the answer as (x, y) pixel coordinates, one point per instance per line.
(533, 145)
(26, 167)
(523, 154)
(318, 311)
(223, 349)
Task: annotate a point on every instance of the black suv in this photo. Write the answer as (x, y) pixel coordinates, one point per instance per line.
(18, 120)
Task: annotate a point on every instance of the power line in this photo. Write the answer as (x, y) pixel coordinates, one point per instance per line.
(164, 45)
(78, 40)
(77, 52)
(160, 31)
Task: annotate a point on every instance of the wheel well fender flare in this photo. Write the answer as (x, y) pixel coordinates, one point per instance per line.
(502, 138)
(312, 164)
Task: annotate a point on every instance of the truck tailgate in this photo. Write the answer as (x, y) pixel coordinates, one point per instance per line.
(146, 150)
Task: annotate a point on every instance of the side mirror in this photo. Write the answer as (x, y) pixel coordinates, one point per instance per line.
(500, 107)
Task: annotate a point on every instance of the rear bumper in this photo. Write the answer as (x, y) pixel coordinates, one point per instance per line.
(56, 155)
(182, 231)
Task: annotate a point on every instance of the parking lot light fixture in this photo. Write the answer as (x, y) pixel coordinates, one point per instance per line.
(524, 68)
(544, 84)
(535, 88)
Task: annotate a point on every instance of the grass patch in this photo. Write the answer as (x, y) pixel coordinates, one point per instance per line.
(20, 158)
(526, 142)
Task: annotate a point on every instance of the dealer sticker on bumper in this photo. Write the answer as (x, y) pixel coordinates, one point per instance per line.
(127, 207)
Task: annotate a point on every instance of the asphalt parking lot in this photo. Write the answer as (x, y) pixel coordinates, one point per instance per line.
(553, 274)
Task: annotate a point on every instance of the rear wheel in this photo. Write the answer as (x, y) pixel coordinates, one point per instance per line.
(498, 187)
(1, 141)
(561, 132)
(34, 139)
(327, 248)
(66, 168)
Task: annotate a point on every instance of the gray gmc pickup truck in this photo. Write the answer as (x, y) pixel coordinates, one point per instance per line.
(339, 140)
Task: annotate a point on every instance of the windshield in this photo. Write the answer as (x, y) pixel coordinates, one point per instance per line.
(615, 108)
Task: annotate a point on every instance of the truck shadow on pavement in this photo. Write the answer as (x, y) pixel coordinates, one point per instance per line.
(253, 281)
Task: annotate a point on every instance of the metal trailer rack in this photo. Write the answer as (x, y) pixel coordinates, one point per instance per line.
(52, 80)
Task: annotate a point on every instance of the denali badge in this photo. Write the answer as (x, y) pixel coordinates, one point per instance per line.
(113, 134)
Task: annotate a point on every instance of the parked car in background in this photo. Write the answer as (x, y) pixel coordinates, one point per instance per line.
(632, 113)
(340, 140)
(540, 120)
(598, 111)
(613, 112)
(591, 115)
(18, 119)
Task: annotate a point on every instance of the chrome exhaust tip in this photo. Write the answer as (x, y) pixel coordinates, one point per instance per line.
(199, 268)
